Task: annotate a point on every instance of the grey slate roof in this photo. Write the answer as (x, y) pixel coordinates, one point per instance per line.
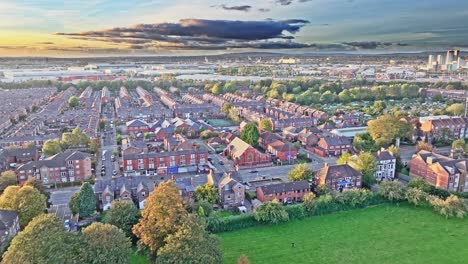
(285, 187)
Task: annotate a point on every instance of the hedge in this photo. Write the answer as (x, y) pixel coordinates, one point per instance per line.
(297, 211)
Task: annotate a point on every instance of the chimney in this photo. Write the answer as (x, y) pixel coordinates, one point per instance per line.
(192, 182)
(173, 178)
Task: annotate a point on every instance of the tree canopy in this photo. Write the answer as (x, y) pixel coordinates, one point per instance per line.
(51, 147)
(300, 172)
(266, 124)
(83, 202)
(7, 178)
(124, 215)
(206, 192)
(385, 129)
(457, 109)
(271, 212)
(250, 134)
(73, 102)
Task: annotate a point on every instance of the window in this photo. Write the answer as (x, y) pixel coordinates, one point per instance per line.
(250, 158)
(77, 166)
(140, 161)
(70, 162)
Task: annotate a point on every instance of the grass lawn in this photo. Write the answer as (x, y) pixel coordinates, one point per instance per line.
(136, 258)
(220, 122)
(381, 234)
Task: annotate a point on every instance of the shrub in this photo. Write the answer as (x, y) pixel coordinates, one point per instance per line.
(450, 207)
(421, 184)
(392, 191)
(231, 223)
(415, 196)
(353, 198)
(296, 211)
(323, 190)
(271, 212)
(309, 201)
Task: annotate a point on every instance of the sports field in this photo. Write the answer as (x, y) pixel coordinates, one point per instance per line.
(381, 234)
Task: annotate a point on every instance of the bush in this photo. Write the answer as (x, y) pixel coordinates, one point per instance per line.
(309, 202)
(296, 211)
(450, 207)
(421, 184)
(415, 196)
(392, 191)
(231, 223)
(323, 190)
(271, 212)
(353, 198)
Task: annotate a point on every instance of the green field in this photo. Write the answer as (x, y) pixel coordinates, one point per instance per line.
(220, 122)
(382, 234)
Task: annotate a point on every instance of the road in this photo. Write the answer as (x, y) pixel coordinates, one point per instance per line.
(108, 145)
(59, 200)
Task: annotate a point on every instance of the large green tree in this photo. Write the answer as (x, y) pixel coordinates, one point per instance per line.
(364, 142)
(87, 200)
(51, 147)
(44, 240)
(206, 192)
(266, 124)
(250, 134)
(365, 163)
(300, 172)
(27, 200)
(191, 244)
(162, 216)
(106, 244)
(124, 215)
(271, 212)
(73, 102)
(385, 129)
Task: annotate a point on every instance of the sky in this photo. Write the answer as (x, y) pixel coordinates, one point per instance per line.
(183, 27)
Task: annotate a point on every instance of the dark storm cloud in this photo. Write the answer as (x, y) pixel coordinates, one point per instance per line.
(288, 2)
(367, 44)
(203, 34)
(245, 8)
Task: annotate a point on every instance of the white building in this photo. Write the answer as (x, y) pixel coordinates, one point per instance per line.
(386, 165)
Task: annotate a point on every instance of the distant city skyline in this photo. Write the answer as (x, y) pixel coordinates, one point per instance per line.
(180, 27)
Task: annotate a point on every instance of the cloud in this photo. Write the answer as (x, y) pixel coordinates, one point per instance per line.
(203, 34)
(264, 10)
(245, 8)
(371, 44)
(288, 2)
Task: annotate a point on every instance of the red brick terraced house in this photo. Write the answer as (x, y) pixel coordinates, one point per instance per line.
(339, 177)
(283, 192)
(332, 146)
(67, 166)
(162, 163)
(456, 127)
(137, 126)
(283, 151)
(440, 171)
(244, 154)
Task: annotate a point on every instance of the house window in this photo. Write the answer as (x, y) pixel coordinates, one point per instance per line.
(140, 161)
(250, 158)
(70, 162)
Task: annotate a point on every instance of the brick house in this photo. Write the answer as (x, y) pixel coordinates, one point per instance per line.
(9, 225)
(339, 177)
(386, 165)
(440, 171)
(137, 126)
(267, 138)
(162, 163)
(456, 127)
(231, 192)
(17, 156)
(67, 166)
(283, 151)
(244, 154)
(283, 192)
(332, 146)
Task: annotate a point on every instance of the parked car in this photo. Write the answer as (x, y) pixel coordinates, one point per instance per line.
(254, 171)
(114, 172)
(66, 224)
(221, 162)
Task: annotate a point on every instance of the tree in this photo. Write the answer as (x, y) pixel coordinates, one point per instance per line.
(266, 124)
(163, 215)
(379, 107)
(124, 215)
(271, 212)
(36, 183)
(396, 152)
(250, 134)
(147, 135)
(233, 115)
(424, 146)
(385, 129)
(94, 145)
(415, 196)
(421, 184)
(73, 102)
(119, 139)
(206, 192)
(364, 142)
(226, 107)
(87, 200)
(51, 147)
(300, 172)
(74, 203)
(102, 125)
(208, 134)
(216, 89)
(7, 178)
(44, 240)
(392, 190)
(191, 244)
(456, 109)
(450, 207)
(27, 200)
(309, 201)
(345, 158)
(365, 163)
(106, 244)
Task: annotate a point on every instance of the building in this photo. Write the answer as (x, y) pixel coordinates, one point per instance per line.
(386, 165)
(283, 151)
(231, 192)
(332, 146)
(165, 163)
(244, 154)
(67, 166)
(339, 177)
(444, 126)
(284, 192)
(440, 171)
(9, 225)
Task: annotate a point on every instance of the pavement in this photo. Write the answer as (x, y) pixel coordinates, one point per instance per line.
(59, 199)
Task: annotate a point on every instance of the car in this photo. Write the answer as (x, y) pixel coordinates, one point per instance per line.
(210, 159)
(103, 173)
(112, 157)
(254, 171)
(66, 224)
(221, 162)
(114, 172)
